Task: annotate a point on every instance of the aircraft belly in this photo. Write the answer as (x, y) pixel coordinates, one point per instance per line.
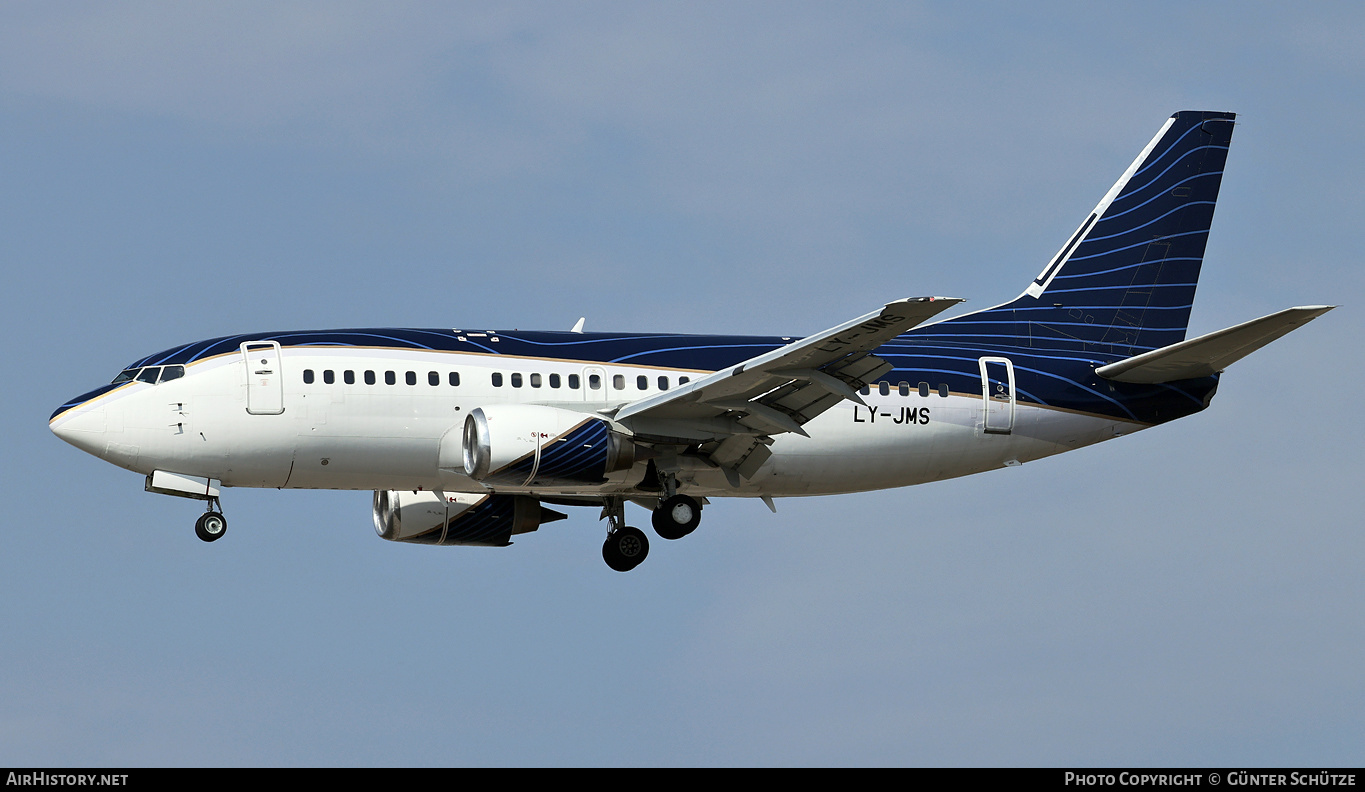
(364, 463)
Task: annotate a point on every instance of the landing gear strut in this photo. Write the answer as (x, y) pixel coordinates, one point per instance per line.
(625, 546)
(211, 525)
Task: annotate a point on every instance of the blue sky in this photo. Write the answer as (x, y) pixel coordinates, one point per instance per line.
(1189, 595)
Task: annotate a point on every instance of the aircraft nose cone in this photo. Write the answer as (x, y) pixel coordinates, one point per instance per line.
(82, 427)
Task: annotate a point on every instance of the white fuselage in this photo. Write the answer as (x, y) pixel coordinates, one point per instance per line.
(250, 425)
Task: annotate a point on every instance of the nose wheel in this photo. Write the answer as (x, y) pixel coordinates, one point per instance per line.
(211, 525)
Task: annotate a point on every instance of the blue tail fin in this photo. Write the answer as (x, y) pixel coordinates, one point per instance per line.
(1124, 283)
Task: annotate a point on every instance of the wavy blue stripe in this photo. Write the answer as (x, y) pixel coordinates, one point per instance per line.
(763, 346)
(1154, 220)
(1138, 287)
(1111, 251)
(1156, 197)
(1152, 161)
(1173, 259)
(591, 339)
(1126, 348)
(1157, 178)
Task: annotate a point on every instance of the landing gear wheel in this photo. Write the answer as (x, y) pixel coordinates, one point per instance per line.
(210, 526)
(677, 517)
(625, 548)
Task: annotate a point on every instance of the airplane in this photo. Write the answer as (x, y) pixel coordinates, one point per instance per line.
(467, 437)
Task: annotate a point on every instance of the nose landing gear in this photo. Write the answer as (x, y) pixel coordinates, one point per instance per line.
(211, 525)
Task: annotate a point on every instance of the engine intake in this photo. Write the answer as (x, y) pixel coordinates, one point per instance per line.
(457, 518)
(524, 445)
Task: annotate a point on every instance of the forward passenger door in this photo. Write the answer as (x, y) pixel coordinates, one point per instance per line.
(264, 380)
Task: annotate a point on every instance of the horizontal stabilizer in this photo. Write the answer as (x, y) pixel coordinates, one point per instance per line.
(1210, 354)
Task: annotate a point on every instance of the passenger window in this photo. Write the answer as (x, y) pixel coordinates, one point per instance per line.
(924, 389)
(943, 389)
(172, 372)
(663, 383)
(884, 388)
(149, 375)
(348, 377)
(516, 380)
(642, 382)
(554, 380)
(535, 380)
(573, 382)
(904, 388)
(497, 379)
(684, 380)
(328, 376)
(865, 390)
(454, 378)
(369, 378)
(411, 378)
(390, 378)
(307, 376)
(433, 379)
(594, 382)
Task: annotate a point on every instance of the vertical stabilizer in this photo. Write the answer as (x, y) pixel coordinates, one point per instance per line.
(1124, 282)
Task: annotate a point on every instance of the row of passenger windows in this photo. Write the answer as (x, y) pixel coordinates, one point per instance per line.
(618, 381)
(390, 377)
(903, 388)
(516, 379)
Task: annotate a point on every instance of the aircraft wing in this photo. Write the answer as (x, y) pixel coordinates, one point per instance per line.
(733, 413)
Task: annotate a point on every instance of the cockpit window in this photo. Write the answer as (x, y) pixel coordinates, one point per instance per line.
(150, 374)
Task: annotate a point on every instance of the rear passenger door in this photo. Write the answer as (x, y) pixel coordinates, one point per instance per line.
(997, 395)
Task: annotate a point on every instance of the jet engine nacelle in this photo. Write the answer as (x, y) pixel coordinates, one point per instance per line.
(525, 445)
(457, 518)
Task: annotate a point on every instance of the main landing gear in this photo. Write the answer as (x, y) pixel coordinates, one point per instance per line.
(211, 525)
(676, 516)
(625, 546)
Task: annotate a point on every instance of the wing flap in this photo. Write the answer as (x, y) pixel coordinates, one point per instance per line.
(1210, 354)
